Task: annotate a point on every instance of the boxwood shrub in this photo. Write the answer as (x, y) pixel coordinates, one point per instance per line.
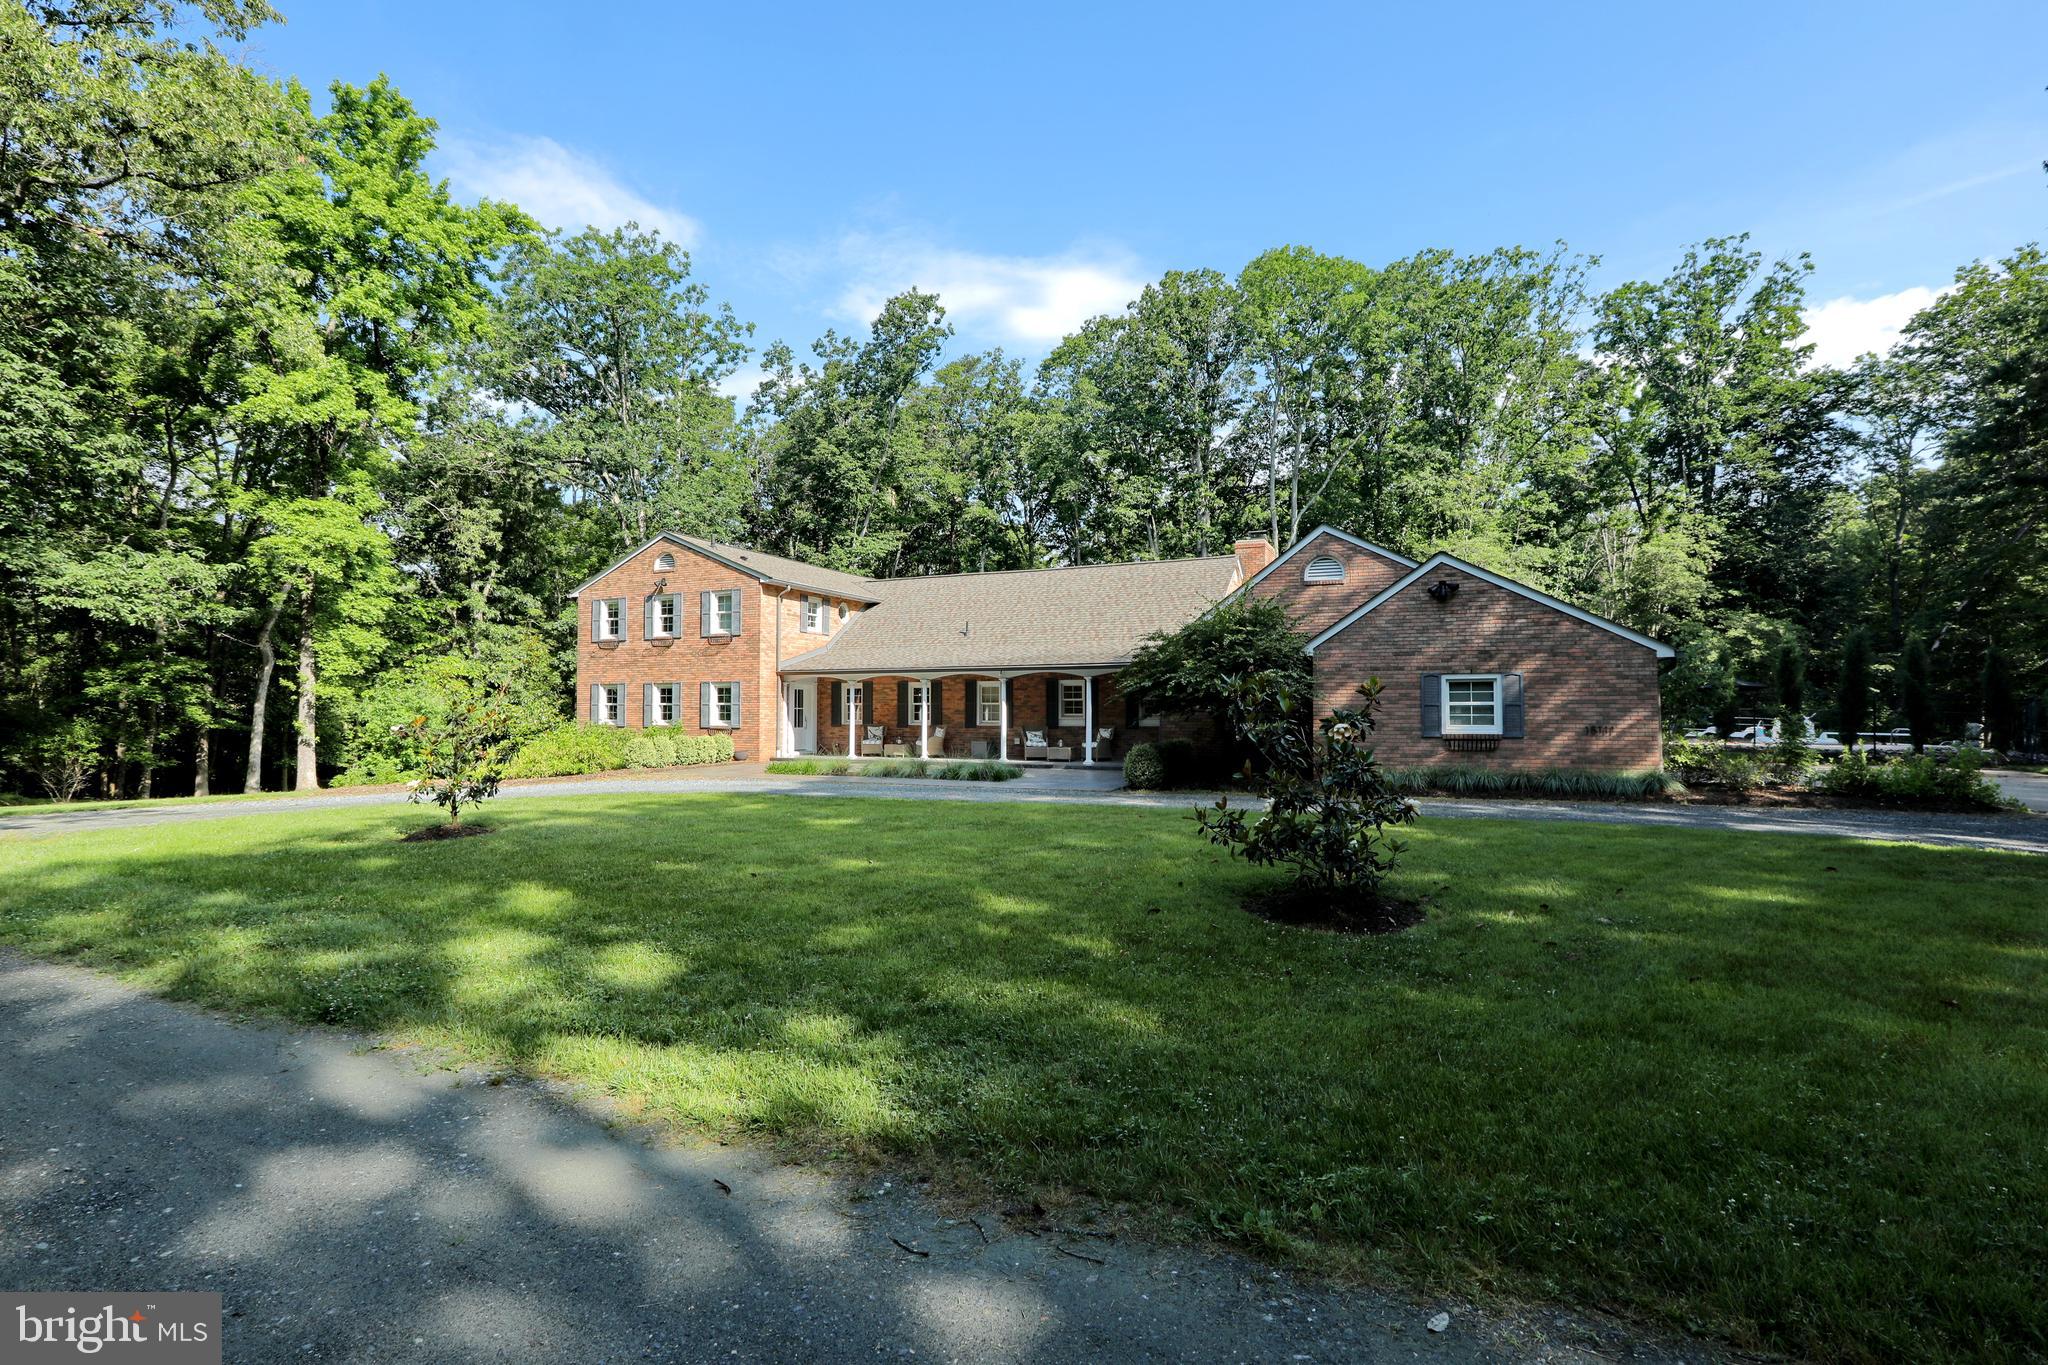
(1144, 769)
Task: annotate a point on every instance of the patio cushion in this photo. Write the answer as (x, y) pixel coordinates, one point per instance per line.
(875, 734)
(1034, 739)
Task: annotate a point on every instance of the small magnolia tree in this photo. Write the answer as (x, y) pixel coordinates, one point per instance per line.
(1330, 810)
(463, 745)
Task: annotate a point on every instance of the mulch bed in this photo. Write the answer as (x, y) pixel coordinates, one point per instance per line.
(434, 832)
(1308, 908)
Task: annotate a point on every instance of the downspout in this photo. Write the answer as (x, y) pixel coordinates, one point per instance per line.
(781, 708)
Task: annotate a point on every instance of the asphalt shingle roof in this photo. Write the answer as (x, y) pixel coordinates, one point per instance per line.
(777, 569)
(1020, 618)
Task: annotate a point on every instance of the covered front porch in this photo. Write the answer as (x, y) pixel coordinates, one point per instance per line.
(1020, 715)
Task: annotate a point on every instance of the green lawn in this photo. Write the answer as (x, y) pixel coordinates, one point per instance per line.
(1792, 1091)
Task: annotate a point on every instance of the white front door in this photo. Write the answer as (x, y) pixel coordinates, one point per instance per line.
(803, 718)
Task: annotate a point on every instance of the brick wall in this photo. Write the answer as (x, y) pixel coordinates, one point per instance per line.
(1318, 606)
(1590, 696)
(689, 658)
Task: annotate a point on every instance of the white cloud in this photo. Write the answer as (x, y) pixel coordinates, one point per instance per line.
(1844, 328)
(1030, 300)
(562, 188)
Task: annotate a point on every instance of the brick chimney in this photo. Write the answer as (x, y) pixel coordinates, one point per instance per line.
(1253, 555)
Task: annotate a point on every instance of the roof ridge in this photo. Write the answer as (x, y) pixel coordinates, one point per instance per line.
(1052, 568)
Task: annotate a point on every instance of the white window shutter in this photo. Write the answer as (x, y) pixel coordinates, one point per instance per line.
(705, 702)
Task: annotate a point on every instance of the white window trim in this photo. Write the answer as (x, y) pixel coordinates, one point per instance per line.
(674, 708)
(614, 704)
(1079, 715)
(724, 714)
(674, 602)
(723, 621)
(1450, 727)
(917, 703)
(612, 612)
(819, 626)
(988, 712)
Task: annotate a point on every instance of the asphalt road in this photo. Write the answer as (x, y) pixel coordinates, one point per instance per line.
(2014, 833)
(358, 1205)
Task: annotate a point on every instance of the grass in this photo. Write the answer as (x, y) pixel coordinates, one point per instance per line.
(1792, 1091)
(967, 770)
(18, 804)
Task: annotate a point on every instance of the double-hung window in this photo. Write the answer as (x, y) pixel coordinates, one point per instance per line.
(917, 703)
(1472, 704)
(724, 704)
(988, 703)
(722, 612)
(608, 704)
(608, 619)
(664, 614)
(663, 711)
(814, 615)
(1073, 701)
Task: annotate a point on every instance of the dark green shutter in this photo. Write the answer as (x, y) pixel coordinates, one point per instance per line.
(1511, 706)
(838, 705)
(1052, 701)
(1130, 709)
(902, 702)
(867, 703)
(1432, 705)
(933, 691)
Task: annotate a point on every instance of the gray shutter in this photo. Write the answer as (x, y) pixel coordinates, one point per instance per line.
(703, 613)
(838, 704)
(596, 702)
(738, 710)
(1432, 705)
(902, 701)
(1511, 706)
(704, 706)
(649, 715)
(596, 616)
(739, 607)
(647, 619)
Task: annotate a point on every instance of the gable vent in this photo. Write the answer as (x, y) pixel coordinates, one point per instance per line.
(664, 563)
(1323, 569)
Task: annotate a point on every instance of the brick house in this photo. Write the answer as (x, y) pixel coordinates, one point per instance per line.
(792, 658)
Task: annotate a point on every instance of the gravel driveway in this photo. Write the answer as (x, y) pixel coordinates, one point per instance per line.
(357, 1205)
(1101, 786)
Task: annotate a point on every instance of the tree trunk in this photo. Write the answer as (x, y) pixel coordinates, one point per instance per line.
(308, 756)
(266, 656)
(202, 763)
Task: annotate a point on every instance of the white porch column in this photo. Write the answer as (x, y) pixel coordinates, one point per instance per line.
(924, 718)
(1088, 720)
(1003, 716)
(849, 696)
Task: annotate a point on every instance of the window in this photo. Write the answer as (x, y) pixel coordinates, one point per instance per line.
(1323, 569)
(917, 704)
(608, 619)
(607, 704)
(724, 704)
(796, 708)
(814, 615)
(1147, 717)
(662, 614)
(664, 563)
(988, 703)
(1073, 701)
(663, 711)
(842, 611)
(722, 612)
(1472, 705)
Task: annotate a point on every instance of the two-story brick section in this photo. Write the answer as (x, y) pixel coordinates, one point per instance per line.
(792, 658)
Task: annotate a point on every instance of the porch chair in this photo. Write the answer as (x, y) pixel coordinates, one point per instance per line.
(1034, 744)
(871, 742)
(936, 742)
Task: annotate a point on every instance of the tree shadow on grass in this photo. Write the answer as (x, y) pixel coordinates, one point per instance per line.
(1703, 1074)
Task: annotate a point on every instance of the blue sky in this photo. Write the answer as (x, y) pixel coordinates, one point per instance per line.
(1036, 164)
